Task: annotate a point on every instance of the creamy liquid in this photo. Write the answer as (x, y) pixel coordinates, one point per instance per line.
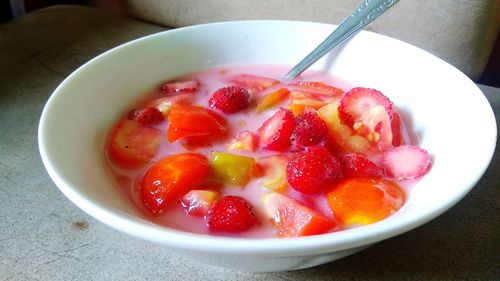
(211, 80)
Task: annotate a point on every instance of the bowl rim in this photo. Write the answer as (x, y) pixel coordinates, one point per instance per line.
(310, 245)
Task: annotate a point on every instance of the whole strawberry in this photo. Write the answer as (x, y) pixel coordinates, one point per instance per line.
(312, 170)
(310, 130)
(230, 99)
(231, 214)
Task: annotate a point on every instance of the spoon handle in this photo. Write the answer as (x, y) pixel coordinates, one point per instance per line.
(365, 13)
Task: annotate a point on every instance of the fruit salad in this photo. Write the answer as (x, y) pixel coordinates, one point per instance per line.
(234, 151)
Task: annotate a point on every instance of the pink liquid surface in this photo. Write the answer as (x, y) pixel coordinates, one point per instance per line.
(211, 80)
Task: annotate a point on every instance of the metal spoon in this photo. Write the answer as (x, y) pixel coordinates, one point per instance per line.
(365, 13)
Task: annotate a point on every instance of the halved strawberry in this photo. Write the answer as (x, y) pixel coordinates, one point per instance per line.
(178, 87)
(195, 123)
(273, 99)
(246, 141)
(198, 202)
(132, 145)
(356, 165)
(172, 177)
(406, 162)
(359, 100)
(276, 131)
(364, 200)
(292, 219)
(253, 83)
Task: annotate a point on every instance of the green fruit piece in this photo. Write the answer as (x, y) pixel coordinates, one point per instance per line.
(231, 168)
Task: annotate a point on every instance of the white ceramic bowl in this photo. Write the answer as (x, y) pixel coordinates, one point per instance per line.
(451, 116)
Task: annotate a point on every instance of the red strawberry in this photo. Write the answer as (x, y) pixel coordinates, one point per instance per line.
(178, 87)
(359, 100)
(231, 214)
(276, 131)
(312, 170)
(148, 116)
(310, 130)
(356, 165)
(406, 162)
(230, 99)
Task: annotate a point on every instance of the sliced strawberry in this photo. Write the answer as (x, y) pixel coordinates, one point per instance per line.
(178, 87)
(273, 172)
(364, 200)
(230, 99)
(273, 99)
(356, 165)
(198, 202)
(318, 91)
(171, 178)
(276, 131)
(396, 127)
(196, 124)
(312, 170)
(148, 116)
(375, 125)
(359, 100)
(246, 141)
(406, 162)
(164, 104)
(231, 214)
(253, 83)
(292, 219)
(132, 145)
(310, 130)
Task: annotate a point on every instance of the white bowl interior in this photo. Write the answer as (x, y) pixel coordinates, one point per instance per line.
(448, 112)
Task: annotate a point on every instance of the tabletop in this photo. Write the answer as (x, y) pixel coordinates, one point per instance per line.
(43, 236)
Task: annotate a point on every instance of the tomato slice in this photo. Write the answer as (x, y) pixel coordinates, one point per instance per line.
(132, 145)
(171, 178)
(190, 121)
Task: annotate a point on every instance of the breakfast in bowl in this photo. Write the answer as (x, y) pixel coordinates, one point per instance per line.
(113, 101)
(234, 151)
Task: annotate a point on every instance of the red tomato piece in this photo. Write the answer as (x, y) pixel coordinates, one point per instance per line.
(132, 145)
(171, 178)
(201, 124)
